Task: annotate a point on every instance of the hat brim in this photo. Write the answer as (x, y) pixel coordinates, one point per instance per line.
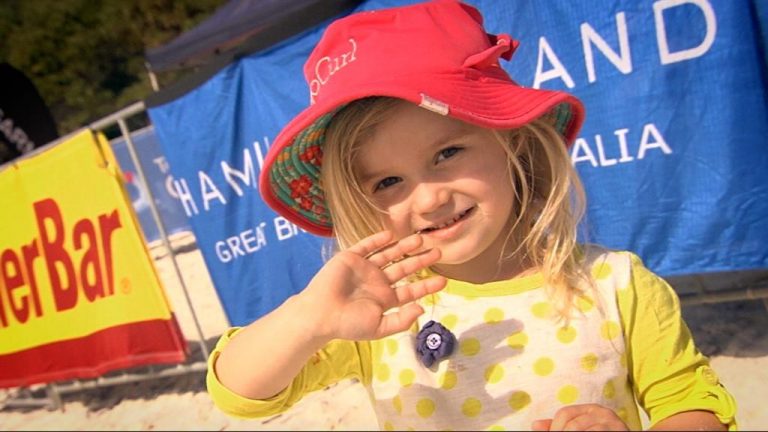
(486, 102)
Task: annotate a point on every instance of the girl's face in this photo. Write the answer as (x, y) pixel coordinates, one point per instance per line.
(445, 179)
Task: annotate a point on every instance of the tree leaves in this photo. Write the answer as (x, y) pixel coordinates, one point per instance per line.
(86, 57)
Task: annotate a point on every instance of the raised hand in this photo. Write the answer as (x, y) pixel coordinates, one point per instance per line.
(354, 290)
(586, 417)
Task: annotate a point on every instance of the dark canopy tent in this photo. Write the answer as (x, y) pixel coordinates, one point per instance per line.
(235, 29)
(26, 122)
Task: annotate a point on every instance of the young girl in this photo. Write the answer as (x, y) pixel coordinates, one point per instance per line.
(459, 296)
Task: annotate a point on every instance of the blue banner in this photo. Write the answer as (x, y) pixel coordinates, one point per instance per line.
(672, 152)
(159, 180)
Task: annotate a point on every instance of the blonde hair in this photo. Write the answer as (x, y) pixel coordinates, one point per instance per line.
(549, 197)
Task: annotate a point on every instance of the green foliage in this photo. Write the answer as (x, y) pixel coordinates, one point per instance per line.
(86, 57)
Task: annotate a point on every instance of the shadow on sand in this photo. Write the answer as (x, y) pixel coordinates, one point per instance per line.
(735, 329)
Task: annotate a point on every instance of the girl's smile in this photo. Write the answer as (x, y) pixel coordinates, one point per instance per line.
(444, 179)
(447, 229)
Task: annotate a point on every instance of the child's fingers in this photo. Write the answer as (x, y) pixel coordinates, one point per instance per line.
(395, 251)
(541, 425)
(565, 414)
(586, 422)
(579, 423)
(371, 243)
(399, 320)
(601, 427)
(585, 416)
(411, 264)
(416, 290)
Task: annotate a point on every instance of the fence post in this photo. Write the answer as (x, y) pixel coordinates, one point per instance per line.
(53, 395)
(161, 227)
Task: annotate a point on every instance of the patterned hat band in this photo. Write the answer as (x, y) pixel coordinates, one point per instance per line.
(295, 174)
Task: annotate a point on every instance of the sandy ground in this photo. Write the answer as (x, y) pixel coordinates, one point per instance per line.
(732, 334)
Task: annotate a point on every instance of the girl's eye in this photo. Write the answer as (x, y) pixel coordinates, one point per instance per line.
(385, 183)
(447, 153)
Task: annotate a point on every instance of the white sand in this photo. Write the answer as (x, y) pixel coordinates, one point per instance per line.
(733, 334)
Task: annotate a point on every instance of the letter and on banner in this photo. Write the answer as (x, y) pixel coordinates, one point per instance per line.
(79, 295)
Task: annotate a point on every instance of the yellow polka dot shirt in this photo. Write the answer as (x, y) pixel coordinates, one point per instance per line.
(514, 362)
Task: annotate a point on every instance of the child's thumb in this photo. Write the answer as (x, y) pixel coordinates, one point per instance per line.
(541, 425)
(399, 321)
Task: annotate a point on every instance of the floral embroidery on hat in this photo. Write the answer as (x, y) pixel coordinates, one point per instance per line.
(306, 203)
(300, 187)
(313, 154)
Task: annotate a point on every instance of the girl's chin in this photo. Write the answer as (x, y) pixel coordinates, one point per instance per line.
(451, 259)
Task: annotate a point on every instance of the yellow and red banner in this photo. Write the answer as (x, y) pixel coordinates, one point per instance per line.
(79, 295)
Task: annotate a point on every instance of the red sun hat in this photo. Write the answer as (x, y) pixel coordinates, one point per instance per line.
(436, 55)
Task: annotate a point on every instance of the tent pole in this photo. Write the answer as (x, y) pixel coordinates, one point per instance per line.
(152, 78)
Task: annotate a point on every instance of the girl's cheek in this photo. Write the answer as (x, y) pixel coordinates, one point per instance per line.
(389, 223)
(394, 220)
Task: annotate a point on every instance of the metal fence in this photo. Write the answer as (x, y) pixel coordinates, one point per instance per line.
(49, 395)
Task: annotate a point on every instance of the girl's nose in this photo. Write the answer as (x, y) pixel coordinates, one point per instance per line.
(428, 197)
